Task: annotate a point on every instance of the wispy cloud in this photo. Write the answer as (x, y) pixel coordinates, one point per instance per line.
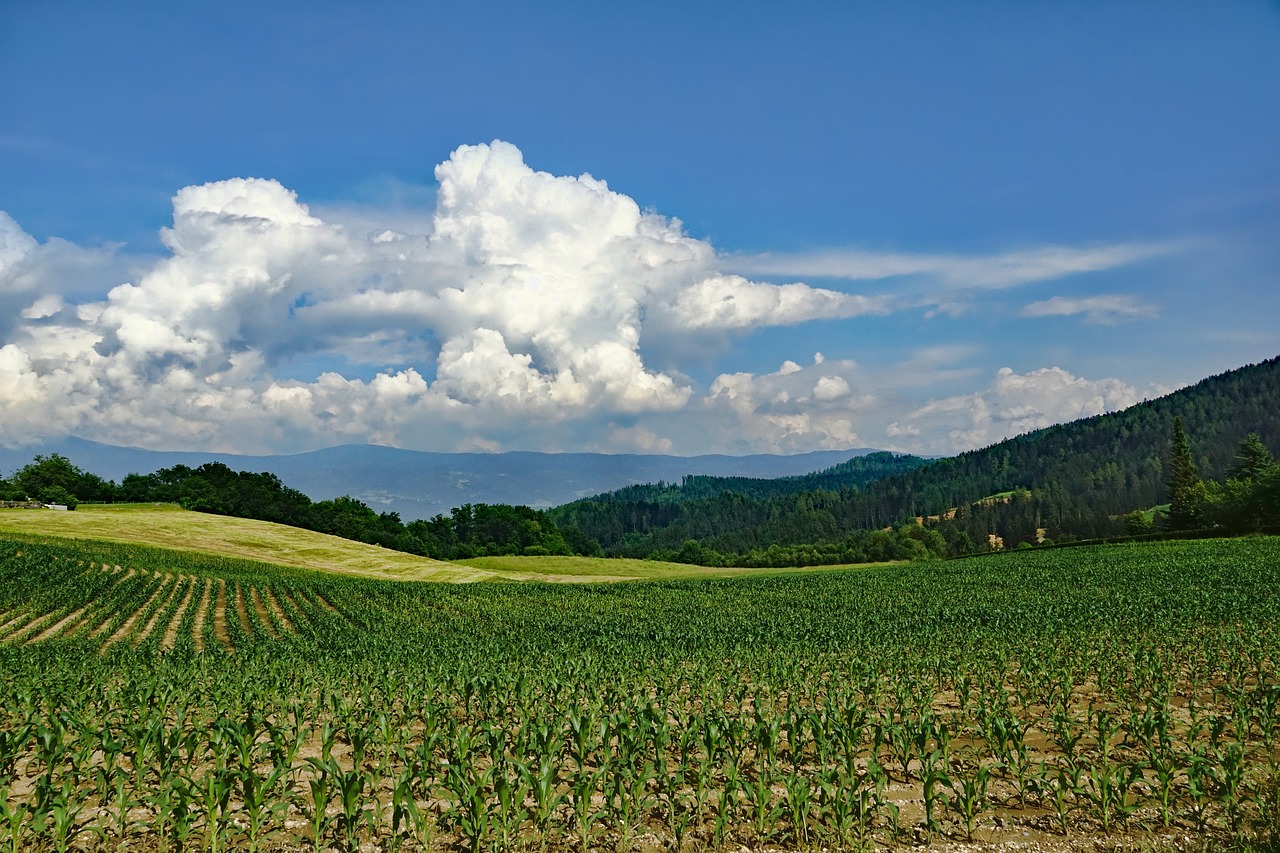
(1106, 309)
(1005, 269)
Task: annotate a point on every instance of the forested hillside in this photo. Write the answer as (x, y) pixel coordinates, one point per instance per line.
(1075, 480)
(853, 473)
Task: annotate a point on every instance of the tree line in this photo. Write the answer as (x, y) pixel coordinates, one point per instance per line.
(1247, 499)
(468, 531)
(729, 529)
(855, 473)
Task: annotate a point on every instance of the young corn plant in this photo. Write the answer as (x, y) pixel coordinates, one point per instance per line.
(669, 787)
(353, 787)
(175, 813)
(415, 783)
(838, 800)
(935, 783)
(119, 800)
(62, 816)
(321, 789)
(799, 805)
(870, 800)
(969, 793)
(582, 788)
(1066, 791)
(727, 802)
(628, 797)
(213, 791)
(15, 822)
(407, 817)
(472, 812)
(510, 791)
(1107, 789)
(1267, 801)
(1226, 775)
(1165, 766)
(261, 802)
(543, 783)
(1200, 791)
(761, 808)
(1067, 734)
(1006, 734)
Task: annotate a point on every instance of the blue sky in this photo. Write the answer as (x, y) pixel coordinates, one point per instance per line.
(922, 226)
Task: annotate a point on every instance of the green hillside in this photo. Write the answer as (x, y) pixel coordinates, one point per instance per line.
(277, 545)
(171, 527)
(853, 473)
(1082, 476)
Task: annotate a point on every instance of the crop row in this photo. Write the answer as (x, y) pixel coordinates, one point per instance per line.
(1054, 694)
(110, 605)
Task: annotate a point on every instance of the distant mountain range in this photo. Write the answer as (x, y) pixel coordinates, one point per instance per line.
(419, 484)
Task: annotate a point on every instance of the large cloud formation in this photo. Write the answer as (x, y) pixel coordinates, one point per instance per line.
(528, 300)
(516, 320)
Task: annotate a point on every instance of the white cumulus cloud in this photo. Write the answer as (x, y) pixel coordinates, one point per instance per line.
(732, 302)
(830, 388)
(790, 410)
(1014, 403)
(520, 313)
(522, 310)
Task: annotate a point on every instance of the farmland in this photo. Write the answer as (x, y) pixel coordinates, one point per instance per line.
(168, 526)
(171, 527)
(171, 700)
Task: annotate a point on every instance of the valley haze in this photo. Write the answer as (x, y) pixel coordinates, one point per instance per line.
(420, 484)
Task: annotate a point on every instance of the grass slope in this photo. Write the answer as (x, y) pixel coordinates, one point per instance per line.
(168, 526)
(621, 569)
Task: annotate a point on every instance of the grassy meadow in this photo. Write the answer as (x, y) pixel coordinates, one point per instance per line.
(170, 526)
(601, 569)
(170, 700)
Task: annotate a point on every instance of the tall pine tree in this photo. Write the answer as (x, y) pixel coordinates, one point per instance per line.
(1248, 499)
(1186, 490)
(1252, 460)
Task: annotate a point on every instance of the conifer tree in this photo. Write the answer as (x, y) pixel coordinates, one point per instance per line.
(1252, 460)
(1186, 490)
(1248, 499)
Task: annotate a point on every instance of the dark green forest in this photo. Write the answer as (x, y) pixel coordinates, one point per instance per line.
(1080, 480)
(1203, 452)
(856, 473)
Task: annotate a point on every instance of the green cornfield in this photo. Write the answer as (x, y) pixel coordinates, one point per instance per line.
(158, 700)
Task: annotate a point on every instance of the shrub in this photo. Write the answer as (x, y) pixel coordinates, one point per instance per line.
(60, 496)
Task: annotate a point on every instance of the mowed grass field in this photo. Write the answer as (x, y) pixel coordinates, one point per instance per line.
(168, 526)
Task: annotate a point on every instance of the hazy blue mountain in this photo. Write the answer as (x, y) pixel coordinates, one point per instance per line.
(418, 484)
